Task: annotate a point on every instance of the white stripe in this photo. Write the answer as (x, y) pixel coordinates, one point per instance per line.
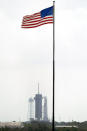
(31, 16)
(40, 20)
(29, 19)
(46, 18)
(37, 24)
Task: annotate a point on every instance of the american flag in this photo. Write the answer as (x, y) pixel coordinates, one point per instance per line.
(43, 17)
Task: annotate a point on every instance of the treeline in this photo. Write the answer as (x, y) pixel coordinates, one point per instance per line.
(70, 129)
(42, 128)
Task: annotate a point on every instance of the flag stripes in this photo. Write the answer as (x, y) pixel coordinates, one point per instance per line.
(38, 20)
(35, 20)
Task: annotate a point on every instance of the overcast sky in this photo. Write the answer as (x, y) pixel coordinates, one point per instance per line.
(26, 59)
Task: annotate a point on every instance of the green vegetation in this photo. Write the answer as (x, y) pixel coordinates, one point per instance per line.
(41, 126)
(69, 129)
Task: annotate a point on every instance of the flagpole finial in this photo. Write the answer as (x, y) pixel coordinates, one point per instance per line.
(53, 2)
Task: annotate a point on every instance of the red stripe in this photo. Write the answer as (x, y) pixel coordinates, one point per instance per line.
(31, 24)
(32, 17)
(37, 19)
(37, 22)
(29, 16)
(28, 19)
(36, 25)
(40, 20)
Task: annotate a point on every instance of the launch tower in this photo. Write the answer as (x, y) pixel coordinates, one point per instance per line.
(38, 106)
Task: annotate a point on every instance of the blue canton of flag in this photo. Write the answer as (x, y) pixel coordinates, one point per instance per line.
(47, 12)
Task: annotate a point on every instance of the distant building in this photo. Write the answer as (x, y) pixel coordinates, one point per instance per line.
(35, 108)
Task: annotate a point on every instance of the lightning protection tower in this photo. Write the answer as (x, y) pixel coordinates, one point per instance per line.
(45, 115)
(31, 109)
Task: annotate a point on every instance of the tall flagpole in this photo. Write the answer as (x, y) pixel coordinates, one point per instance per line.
(53, 119)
